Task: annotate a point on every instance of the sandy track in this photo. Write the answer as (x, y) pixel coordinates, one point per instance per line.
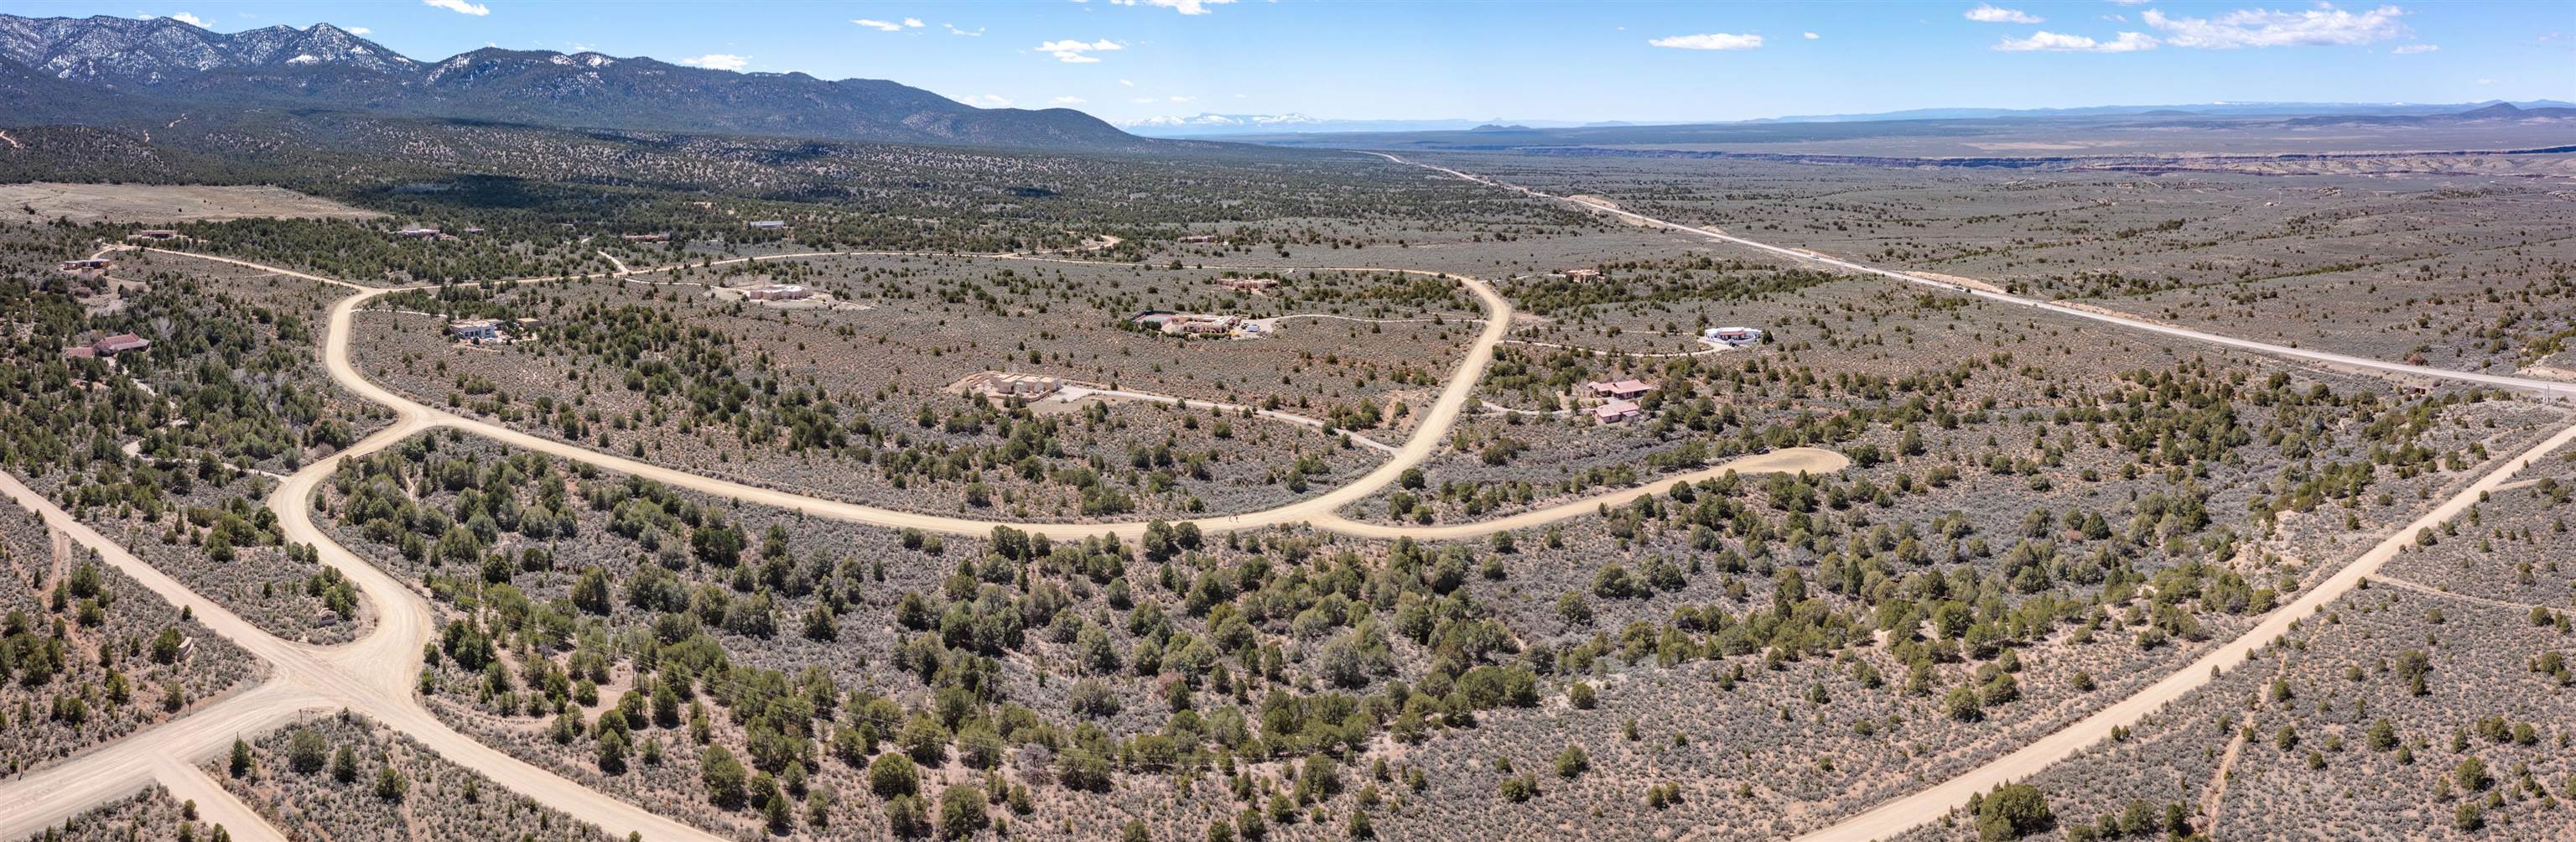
(1932, 802)
(376, 675)
(1790, 460)
(2544, 387)
(1929, 804)
(216, 805)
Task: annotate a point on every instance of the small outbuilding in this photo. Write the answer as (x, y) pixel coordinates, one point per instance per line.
(1616, 412)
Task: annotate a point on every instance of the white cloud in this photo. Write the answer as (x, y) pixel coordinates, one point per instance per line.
(1813, 36)
(986, 100)
(459, 6)
(1126, 84)
(2486, 81)
(2132, 2)
(2412, 49)
(2324, 25)
(1067, 100)
(2052, 42)
(953, 30)
(718, 61)
(1987, 13)
(360, 30)
(1184, 99)
(1141, 100)
(1710, 41)
(1072, 51)
(912, 23)
(880, 25)
(189, 19)
(1186, 7)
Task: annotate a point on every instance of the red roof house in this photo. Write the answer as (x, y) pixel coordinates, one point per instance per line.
(1626, 390)
(121, 343)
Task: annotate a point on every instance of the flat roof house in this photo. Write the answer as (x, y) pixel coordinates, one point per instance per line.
(1250, 284)
(121, 343)
(1616, 411)
(417, 233)
(1582, 274)
(1626, 390)
(1003, 385)
(90, 264)
(476, 330)
(153, 234)
(778, 292)
(1732, 336)
(769, 224)
(1200, 324)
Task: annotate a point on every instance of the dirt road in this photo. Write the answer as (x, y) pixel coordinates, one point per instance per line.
(376, 675)
(2526, 384)
(1929, 804)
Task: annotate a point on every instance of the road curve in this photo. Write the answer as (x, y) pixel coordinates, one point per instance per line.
(1430, 433)
(377, 674)
(1810, 460)
(2549, 388)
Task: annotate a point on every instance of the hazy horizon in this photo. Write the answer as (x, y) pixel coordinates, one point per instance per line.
(1130, 61)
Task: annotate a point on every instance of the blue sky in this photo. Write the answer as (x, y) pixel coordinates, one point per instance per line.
(1127, 60)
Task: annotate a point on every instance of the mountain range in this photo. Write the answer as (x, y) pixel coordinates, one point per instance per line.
(102, 70)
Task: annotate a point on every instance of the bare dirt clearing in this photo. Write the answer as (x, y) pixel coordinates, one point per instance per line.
(47, 201)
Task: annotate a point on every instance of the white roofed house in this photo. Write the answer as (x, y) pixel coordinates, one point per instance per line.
(778, 292)
(1734, 337)
(476, 330)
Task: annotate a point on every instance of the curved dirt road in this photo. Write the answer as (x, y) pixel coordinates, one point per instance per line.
(1322, 511)
(1809, 460)
(377, 674)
